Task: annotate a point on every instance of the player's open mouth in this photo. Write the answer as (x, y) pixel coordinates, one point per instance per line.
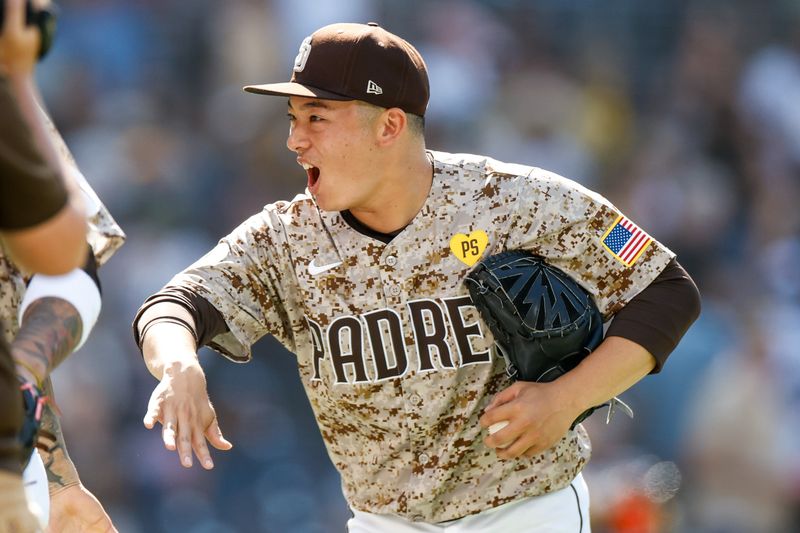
(313, 175)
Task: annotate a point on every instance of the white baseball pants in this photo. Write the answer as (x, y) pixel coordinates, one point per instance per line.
(563, 511)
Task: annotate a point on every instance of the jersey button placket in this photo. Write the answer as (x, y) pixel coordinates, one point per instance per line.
(392, 287)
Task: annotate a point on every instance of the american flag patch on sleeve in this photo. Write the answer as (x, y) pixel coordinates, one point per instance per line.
(626, 241)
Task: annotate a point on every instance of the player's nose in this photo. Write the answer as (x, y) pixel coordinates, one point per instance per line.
(297, 141)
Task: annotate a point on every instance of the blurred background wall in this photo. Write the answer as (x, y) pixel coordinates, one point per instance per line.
(685, 113)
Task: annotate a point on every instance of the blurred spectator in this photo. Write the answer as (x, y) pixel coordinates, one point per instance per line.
(739, 472)
(770, 107)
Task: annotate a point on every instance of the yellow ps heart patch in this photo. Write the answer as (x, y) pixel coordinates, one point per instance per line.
(469, 248)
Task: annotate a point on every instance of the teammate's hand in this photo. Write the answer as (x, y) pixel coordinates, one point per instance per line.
(15, 516)
(537, 419)
(76, 510)
(19, 44)
(180, 403)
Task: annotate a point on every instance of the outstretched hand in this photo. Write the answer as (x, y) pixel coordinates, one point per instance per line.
(76, 510)
(180, 403)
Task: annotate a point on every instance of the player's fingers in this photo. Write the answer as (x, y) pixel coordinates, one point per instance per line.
(495, 402)
(169, 432)
(517, 448)
(532, 452)
(501, 448)
(502, 412)
(501, 435)
(201, 450)
(214, 436)
(152, 415)
(184, 439)
(514, 450)
(504, 396)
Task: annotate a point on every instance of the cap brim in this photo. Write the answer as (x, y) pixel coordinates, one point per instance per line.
(291, 88)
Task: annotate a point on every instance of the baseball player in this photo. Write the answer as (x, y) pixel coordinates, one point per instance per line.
(45, 318)
(40, 223)
(48, 318)
(47, 315)
(362, 279)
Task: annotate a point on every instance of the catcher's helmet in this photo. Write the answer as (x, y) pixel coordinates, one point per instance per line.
(552, 322)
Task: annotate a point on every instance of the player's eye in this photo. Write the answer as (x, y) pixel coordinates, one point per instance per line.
(292, 118)
(315, 118)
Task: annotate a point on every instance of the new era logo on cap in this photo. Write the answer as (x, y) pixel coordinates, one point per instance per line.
(373, 88)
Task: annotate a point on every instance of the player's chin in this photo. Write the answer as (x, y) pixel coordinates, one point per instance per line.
(328, 202)
(324, 203)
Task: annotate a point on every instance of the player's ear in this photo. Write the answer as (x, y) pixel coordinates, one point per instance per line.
(393, 122)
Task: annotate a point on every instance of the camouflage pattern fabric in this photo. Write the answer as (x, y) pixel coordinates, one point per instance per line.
(394, 358)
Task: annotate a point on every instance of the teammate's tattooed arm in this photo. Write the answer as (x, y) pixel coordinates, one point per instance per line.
(49, 332)
(61, 472)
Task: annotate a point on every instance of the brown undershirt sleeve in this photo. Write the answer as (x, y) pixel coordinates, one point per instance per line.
(658, 317)
(208, 320)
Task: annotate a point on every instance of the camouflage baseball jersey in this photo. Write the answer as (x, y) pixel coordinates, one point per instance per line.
(396, 363)
(104, 236)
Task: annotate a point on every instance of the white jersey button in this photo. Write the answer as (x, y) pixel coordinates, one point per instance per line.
(391, 260)
(415, 399)
(394, 290)
(423, 458)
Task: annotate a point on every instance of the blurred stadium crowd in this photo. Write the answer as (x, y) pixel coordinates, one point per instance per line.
(685, 113)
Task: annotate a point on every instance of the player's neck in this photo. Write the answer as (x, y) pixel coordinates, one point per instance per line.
(404, 194)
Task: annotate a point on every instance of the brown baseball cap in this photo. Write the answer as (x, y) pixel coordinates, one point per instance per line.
(350, 61)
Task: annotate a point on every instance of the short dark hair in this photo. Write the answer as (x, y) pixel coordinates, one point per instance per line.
(416, 123)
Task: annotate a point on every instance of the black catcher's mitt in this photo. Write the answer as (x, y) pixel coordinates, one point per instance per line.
(33, 404)
(543, 322)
